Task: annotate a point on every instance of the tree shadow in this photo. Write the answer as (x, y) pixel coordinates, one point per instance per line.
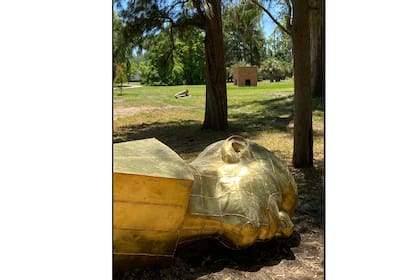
(207, 256)
(187, 138)
(310, 210)
(212, 255)
(273, 114)
(318, 104)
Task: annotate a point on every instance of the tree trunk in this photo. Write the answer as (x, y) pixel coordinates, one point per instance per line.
(303, 138)
(317, 49)
(215, 116)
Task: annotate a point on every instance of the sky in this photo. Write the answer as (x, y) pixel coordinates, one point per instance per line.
(268, 25)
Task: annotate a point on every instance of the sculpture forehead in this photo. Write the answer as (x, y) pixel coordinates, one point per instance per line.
(256, 162)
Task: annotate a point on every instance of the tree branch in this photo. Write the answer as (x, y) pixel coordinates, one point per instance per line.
(284, 29)
(197, 6)
(289, 15)
(182, 3)
(190, 21)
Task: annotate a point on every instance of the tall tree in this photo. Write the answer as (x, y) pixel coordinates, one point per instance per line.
(297, 25)
(317, 19)
(215, 116)
(303, 138)
(145, 17)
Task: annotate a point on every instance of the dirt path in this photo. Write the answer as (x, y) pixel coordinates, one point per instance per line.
(121, 112)
(129, 86)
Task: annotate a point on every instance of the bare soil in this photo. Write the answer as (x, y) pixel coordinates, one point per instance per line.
(120, 112)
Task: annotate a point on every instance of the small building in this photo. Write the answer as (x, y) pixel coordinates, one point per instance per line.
(245, 76)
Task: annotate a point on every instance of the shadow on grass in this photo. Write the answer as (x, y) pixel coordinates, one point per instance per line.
(184, 137)
(309, 213)
(271, 114)
(187, 137)
(318, 104)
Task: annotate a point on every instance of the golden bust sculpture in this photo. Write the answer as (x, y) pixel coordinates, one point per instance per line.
(235, 190)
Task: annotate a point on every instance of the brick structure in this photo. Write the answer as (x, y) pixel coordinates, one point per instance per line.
(245, 76)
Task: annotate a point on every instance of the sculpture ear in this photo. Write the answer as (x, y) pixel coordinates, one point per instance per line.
(233, 148)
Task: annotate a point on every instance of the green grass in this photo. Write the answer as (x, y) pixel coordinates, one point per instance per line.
(148, 95)
(263, 113)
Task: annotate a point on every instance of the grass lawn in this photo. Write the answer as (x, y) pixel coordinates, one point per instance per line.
(264, 114)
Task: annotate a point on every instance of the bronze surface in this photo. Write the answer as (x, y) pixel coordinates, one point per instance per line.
(235, 190)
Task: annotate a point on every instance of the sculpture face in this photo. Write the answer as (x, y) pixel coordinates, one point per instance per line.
(235, 190)
(242, 193)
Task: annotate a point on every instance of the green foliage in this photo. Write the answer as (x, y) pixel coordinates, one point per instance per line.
(133, 73)
(121, 50)
(169, 34)
(279, 62)
(243, 34)
(190, 47)
(279, 45)
(168, 62)
(120, 74)
(275, 70)
(160, 62)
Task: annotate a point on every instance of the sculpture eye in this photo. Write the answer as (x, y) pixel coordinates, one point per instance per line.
(233, 148)
(238, 146)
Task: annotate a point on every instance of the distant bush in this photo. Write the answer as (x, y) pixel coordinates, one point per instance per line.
(275, 70)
